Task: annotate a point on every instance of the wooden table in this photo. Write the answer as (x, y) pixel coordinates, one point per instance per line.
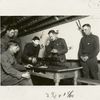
(57, 73)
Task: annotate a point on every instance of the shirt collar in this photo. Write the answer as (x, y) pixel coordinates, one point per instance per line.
(88, 35)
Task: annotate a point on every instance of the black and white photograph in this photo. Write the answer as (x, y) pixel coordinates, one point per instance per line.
(50, 50)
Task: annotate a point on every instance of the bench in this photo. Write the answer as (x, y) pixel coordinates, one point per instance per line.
(88, 81)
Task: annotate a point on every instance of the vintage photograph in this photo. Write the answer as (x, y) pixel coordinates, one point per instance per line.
(50, 50)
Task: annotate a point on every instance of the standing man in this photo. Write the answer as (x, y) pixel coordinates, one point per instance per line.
(11, 34)
(17, 39)
(11, 72)
(6, 38)
(31, 51)
(88, 51)
(56, 49)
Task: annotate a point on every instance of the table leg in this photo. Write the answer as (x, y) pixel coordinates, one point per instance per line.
(75, 77)
(56, 79)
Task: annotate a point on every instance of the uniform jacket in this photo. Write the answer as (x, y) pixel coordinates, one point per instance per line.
(4, 43)
(30, 51)
(11, 72)
(61, 46)
(89, 46)
(19, 54)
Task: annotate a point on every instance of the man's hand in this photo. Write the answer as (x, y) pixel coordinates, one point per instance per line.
(48, 42)
(30, 58)
(34, 60)
(26, 75)
(28, 66)
(85, 58)
(54, 51)
(41, 46)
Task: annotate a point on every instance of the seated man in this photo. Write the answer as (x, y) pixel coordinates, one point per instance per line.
(56, 49)
(31, 51)
(11, 72)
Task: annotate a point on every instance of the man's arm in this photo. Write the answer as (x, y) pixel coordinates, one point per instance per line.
(19, 54)
(8, 68)
(25, 56)
(20, 67)
(48, 49)
(96, 48)
(38, 49)
(64, 48)
(0, 46)
(80, 49)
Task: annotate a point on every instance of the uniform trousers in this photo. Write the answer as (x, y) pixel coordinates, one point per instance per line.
(90, 68)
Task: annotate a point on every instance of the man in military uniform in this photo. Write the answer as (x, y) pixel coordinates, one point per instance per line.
(88, 50)
(11, 34)
(57, 48)
(5, 39)
(31, 51)
(18, 40)
(11, 72)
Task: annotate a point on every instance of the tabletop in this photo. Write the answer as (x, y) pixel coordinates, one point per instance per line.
(58, 69)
